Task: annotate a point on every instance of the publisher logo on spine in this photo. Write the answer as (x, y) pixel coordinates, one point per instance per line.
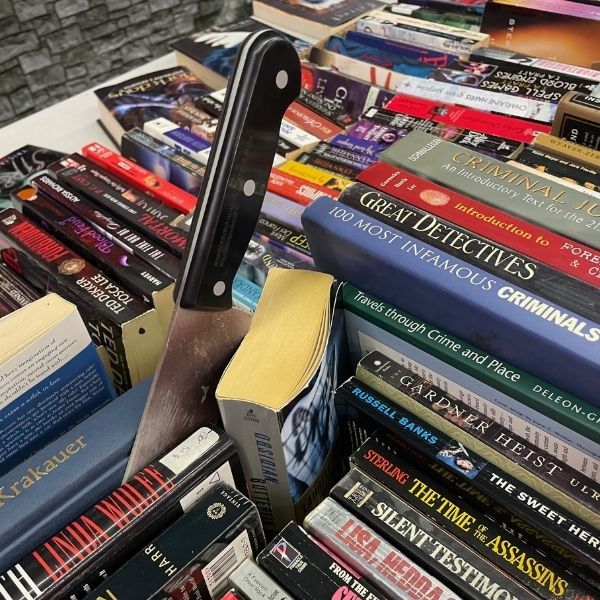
(286, 554)
(251, 416)
(216, 511)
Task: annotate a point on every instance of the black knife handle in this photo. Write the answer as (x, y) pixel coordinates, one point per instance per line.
(264, 81)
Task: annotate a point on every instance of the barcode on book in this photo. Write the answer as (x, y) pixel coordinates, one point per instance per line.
(218, 569)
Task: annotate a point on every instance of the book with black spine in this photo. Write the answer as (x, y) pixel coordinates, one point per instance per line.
(226, 530)
(455, 509)
(101, 539)
(309, 571)
(364, 411)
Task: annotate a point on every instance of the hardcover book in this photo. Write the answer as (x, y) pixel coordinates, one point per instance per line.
(312, 19)
(279, 410)
(552, 205)
(168, 93)
(210, 54)
(48, 367)
(99, 540)
(550, 476)
(68, 475)
(226, 530)
(448, 292)
(547, 416)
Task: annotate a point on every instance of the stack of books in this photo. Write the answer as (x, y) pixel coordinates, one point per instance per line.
(431, 226)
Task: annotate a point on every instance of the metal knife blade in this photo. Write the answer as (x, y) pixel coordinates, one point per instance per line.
(205, 329)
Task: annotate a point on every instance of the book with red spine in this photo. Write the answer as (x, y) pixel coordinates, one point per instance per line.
(511, 128)
(297, 189)
(552, 249)
(310, 121)
(138, 176)
(117, 526)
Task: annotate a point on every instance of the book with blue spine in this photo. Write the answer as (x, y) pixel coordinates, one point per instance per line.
(68, 475)
(460, 298)
(51, 376)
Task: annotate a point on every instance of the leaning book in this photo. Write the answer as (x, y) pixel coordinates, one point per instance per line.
(276, 395)
(51, 376)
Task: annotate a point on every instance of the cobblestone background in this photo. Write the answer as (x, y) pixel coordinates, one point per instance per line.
(52, 49)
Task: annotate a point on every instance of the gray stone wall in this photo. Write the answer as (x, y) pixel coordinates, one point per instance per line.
(52, 49)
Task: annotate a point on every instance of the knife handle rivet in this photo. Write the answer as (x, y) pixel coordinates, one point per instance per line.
(219, 288)
(281, 80)
(249, 188)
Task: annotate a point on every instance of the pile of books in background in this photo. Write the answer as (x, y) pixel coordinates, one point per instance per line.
(442, 165)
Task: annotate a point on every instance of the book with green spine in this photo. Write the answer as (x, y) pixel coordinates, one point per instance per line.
(554, 419)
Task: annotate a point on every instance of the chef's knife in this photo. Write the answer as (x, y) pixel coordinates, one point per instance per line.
(205, 329)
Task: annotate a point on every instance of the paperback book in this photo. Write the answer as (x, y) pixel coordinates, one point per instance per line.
(47, 360)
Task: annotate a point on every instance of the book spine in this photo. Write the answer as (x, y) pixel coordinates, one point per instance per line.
(178, 168)
(297, 136)
(283, 210)
(511, 453)
(435, 58)
(415, 36)
(502, 126)
(117, 525)
(388, 569)
(73, 472)
(476, 250)
(179, 138)
(356, 160)
(475, 306)
(524, 82)
(226, 530)
(334, 167)
(313, 175)
(567, 149)
(484, 100)
(255, 584)
(124, 192)
(297, 189)
(75, 176)
(107, 308)
(497, 146)
(245, 293)
(552, 205)
(296, 240)
(589, 178)
(327, 109)
(549, 417)
(312, 122)
(465, 571)
(285, 147)
(263, 254)
(578, 120)
(309, 571)
(518, 498)
(579, 452)
(452, 510)
(131, 241)
(139, 177)
(348, 94)
(355, 142)
(16, 289)
(552, 249)
(129, 271)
